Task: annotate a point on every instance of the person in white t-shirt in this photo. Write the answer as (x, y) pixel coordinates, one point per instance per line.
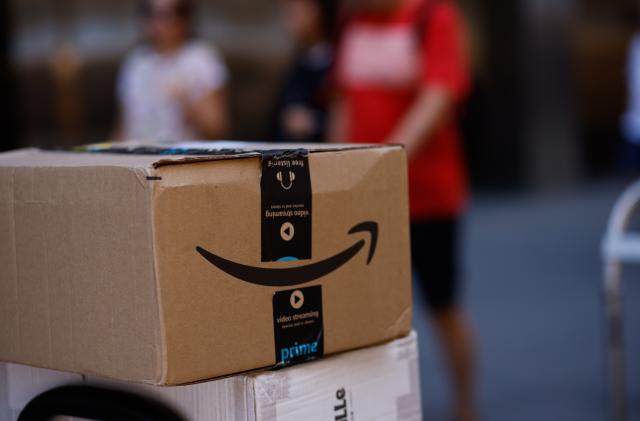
(172, 87)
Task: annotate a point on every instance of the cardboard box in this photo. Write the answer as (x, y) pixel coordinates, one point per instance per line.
(177, 265)
(379, 383)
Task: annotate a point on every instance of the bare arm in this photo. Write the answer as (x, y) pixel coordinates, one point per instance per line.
(337, 132)
(424, 117)
(208, 115)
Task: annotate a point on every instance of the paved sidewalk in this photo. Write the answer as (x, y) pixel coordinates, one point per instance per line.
(533, 286)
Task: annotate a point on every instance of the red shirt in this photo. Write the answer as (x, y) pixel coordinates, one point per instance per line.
(380, 69)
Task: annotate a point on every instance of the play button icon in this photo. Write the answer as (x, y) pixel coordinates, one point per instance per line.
(297, 299)
(287, 231)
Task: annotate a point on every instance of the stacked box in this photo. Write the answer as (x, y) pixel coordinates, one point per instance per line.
(378, 383)
(174, 265)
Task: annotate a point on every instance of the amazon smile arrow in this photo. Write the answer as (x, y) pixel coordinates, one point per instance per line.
(296, 275)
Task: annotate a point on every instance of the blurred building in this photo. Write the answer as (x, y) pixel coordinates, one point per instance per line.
(552, 89)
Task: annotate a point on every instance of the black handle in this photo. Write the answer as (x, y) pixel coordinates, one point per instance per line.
(96, 404)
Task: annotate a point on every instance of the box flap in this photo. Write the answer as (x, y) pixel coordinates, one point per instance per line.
(135, 154)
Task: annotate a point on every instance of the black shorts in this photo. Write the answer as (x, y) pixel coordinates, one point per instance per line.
(434, 255)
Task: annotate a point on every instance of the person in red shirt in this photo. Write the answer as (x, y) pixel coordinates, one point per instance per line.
(401, 72)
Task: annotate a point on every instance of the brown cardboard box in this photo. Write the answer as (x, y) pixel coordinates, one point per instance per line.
(154, 268)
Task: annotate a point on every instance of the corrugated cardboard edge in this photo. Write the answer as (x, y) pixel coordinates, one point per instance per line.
(403, 325)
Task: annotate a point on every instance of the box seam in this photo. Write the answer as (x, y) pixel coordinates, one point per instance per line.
(160, 377)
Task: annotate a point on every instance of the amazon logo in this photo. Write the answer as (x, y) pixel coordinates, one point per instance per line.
(279, 277)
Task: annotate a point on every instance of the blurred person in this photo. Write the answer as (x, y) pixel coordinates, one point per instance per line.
(630, 155)
(172, 87)
(402, 72)
(301, 111)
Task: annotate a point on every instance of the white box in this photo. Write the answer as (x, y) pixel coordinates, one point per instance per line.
(377, 383)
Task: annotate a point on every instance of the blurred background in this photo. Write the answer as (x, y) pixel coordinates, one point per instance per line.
(543, 141)
(550, 78)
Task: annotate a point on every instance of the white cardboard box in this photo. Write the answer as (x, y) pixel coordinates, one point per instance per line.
(378, 383)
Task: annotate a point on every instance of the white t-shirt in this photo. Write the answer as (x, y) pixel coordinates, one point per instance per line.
(149, 85)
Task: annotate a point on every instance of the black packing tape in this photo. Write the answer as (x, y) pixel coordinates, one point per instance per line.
(286, 198)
